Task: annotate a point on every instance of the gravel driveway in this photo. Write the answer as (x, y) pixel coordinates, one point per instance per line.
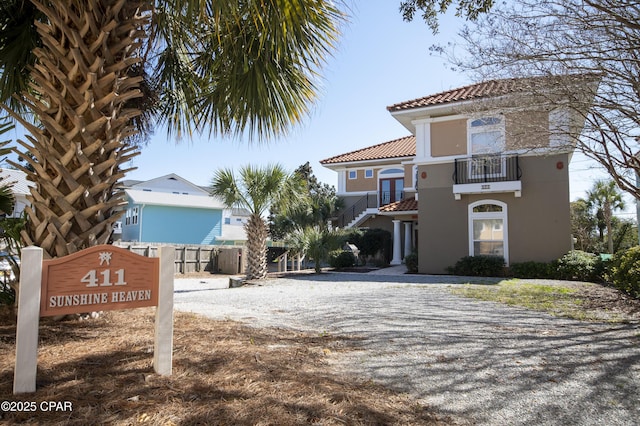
(480, 362)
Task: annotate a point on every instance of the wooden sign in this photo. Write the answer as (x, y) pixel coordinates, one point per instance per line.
(99, 278)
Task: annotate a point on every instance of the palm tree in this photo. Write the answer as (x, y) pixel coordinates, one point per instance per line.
(256, 190)
(605, 197)
(317, 242)
(95, 73)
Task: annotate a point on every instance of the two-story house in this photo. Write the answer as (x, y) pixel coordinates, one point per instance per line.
(489, 172)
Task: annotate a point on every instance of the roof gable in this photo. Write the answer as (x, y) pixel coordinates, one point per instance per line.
(170, 183)
(397, 148)
(157, 198)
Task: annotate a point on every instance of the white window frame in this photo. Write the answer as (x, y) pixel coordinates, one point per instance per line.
(490, 215)
(368, 173)
(134, 215)
(355, 174)
(494, 124)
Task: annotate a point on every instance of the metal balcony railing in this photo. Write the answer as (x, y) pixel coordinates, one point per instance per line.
(486, 168)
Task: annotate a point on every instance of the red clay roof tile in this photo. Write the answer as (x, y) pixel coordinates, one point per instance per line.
(490, 88)
(397, 148)
(406, 205)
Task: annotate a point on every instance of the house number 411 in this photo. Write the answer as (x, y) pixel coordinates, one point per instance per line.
(92, 279)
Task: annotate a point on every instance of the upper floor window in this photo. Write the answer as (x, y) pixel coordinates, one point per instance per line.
(353, 174)
(368, 173)
(486, 135)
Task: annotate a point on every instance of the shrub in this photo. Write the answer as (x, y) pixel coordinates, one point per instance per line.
(411, 262)
(533, 269)
(479, 266)
(372, 243)
(341, 259)
(580, 265)
(625, 271)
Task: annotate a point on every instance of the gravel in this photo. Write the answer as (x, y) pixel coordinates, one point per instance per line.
(479, 362)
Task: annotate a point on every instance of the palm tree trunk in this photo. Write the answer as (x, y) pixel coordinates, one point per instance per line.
(257, 247)
(81, 82)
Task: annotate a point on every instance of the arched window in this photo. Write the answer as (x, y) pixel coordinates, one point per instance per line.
(488, 229)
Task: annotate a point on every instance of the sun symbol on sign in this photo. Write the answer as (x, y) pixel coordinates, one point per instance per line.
(105, 256)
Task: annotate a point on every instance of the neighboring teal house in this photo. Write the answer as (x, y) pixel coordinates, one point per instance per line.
(170, 209)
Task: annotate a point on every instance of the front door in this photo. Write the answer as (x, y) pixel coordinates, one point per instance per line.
(391, 190)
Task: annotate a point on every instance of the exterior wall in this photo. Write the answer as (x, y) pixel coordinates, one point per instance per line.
(539, 227)
(163, 224)
(361, 183)
(527, 129)
(522, 130)
(449, 138)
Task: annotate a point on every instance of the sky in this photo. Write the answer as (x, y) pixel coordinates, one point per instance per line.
(380, 60)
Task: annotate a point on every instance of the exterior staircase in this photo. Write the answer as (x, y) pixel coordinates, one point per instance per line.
(352, 216)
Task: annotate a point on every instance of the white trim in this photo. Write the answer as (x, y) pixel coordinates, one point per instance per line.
(354, 171)
(533, 152)
(381, 162)
(439, 119)
(372, 173)
(490, 215)
(486, 128)
(514, 186)
(355, 193)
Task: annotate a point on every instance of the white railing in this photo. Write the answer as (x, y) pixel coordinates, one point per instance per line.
(296, 261)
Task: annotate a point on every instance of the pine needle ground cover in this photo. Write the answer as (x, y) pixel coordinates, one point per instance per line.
(224, 373)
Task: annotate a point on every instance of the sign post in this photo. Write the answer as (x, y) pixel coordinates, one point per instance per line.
(28, 318)
(95, 279)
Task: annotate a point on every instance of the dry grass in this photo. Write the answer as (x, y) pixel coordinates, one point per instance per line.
(224, 373)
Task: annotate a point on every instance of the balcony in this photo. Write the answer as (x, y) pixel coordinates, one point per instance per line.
(487, 174)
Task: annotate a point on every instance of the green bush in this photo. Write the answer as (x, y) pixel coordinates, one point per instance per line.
(372, 243)
(411, 262)
(625, 271)
(341, 259)
(581, 266)
(479, 266)
(533, 269)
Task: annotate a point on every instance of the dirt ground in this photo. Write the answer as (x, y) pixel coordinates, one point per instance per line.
(224, 373)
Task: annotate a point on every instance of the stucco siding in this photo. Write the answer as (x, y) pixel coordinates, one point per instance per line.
(180, 225)
(527, 129)
(538, 222)
(361, 183)
(449, 138)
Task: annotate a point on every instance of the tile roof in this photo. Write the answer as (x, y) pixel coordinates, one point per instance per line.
(406, 205)
(397, 148)
(489, 88)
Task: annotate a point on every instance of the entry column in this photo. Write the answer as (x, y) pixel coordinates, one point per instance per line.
(397, 245)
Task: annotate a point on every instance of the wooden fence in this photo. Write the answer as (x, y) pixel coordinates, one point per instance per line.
(195, 258)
